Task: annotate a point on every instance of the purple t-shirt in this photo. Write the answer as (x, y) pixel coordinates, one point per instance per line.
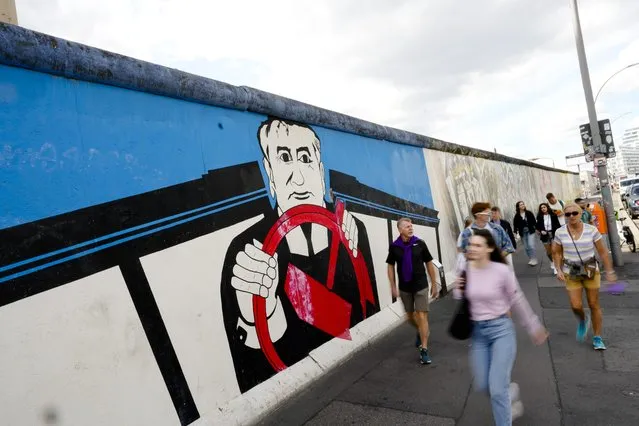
(493, 291)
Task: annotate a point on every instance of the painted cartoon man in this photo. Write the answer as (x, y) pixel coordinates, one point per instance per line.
(301, 316)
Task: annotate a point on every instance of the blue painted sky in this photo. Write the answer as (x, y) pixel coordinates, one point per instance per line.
(67, 144)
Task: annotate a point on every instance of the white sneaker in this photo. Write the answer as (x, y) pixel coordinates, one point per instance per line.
(533, 262)
(514, 392)
(516, 410)
(516, 406)
(530, 262)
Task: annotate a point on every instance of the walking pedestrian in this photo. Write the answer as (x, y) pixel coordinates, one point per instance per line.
(547, 225)
(461, 257)
(497, 220)
(599, 221)
(415, 259)
(557, 206)
(492, 291)
(586, 216)
(467, 222)
(526, 226)
(574, 255)
(482, 214)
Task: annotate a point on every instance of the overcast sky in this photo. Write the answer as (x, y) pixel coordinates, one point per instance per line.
(484, 73)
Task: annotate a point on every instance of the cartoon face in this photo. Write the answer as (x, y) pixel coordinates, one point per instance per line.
(293, 165)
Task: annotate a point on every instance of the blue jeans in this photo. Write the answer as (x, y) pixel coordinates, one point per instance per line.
(529, 244)
(492, 356)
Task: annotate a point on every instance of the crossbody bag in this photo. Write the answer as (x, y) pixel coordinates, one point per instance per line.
(586, 269)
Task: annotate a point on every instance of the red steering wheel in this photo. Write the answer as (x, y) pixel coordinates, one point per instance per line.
(291, 219)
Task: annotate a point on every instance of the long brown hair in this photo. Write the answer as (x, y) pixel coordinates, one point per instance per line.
(495, 255)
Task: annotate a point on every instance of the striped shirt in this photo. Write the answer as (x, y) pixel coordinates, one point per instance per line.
(585, 244)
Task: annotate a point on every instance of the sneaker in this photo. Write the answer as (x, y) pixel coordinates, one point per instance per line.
(582, 329)
(530, 262)
(423, 356)
(516, 410)
(418, 341)
(514, 392)
(533, 262)
(598, 344)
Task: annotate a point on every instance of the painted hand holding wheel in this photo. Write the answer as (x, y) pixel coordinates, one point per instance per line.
(256, 273)
(330, 313)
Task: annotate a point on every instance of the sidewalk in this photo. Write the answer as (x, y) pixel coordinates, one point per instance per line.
(562, 382)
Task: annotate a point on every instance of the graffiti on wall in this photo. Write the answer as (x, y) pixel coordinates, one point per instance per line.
(460, 180)
(299, 274)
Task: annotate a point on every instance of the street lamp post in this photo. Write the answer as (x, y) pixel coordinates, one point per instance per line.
(606, 193)
(610, 78)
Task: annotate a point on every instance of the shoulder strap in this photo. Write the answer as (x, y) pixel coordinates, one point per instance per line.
(562, 204)
(575, 244)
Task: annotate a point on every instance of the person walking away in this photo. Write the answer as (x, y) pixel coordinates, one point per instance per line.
(414, 258)
(526, 226)
(599, 221)
(547, 225)
(557, 206)
(497, 220)
(574, 255)
(461, 257)
(482, 214)
(492, 291)
(586, 216)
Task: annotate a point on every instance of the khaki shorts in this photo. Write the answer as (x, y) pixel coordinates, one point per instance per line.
(577, 283)
(418, 301)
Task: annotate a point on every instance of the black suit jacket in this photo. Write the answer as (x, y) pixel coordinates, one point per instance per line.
(251, 366)
(509, 230)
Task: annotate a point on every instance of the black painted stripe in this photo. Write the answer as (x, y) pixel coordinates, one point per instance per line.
(389, 228)
(160, 342)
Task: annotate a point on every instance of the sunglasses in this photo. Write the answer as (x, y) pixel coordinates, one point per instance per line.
(568, 214)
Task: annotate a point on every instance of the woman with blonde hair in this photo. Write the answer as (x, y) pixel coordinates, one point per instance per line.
(574, 249)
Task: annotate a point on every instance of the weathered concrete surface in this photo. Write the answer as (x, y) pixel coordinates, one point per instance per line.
(562, 382)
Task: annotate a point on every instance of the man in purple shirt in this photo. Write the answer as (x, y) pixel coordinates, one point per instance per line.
(414, 258)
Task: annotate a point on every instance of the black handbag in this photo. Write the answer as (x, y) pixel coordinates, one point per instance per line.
(461, 326)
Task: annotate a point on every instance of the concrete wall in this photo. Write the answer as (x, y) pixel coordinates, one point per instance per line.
(457, 181)
(176, 250)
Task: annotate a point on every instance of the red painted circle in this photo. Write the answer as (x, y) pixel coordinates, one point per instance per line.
(291, 219)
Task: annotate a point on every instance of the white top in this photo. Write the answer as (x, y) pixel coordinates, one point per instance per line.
(585, 244)
(547, 222)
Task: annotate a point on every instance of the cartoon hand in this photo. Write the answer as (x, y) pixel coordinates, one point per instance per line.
(255, 273)
(349, 227)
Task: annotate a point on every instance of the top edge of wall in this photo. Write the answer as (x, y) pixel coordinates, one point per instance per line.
(20, 47)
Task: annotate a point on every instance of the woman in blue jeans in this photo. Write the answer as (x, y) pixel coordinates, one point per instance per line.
(492, 291)
(525, 225)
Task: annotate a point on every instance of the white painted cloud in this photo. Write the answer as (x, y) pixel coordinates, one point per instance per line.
(495, 74)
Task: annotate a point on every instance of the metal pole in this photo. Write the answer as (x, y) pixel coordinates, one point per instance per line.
(606, 193)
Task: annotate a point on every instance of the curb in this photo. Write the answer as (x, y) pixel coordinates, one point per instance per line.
(258, 403)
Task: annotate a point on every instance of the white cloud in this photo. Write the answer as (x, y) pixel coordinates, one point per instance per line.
(492, 74)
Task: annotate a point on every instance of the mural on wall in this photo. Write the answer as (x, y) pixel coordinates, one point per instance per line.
(300, 276)
(299, 228)
(458, 181)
